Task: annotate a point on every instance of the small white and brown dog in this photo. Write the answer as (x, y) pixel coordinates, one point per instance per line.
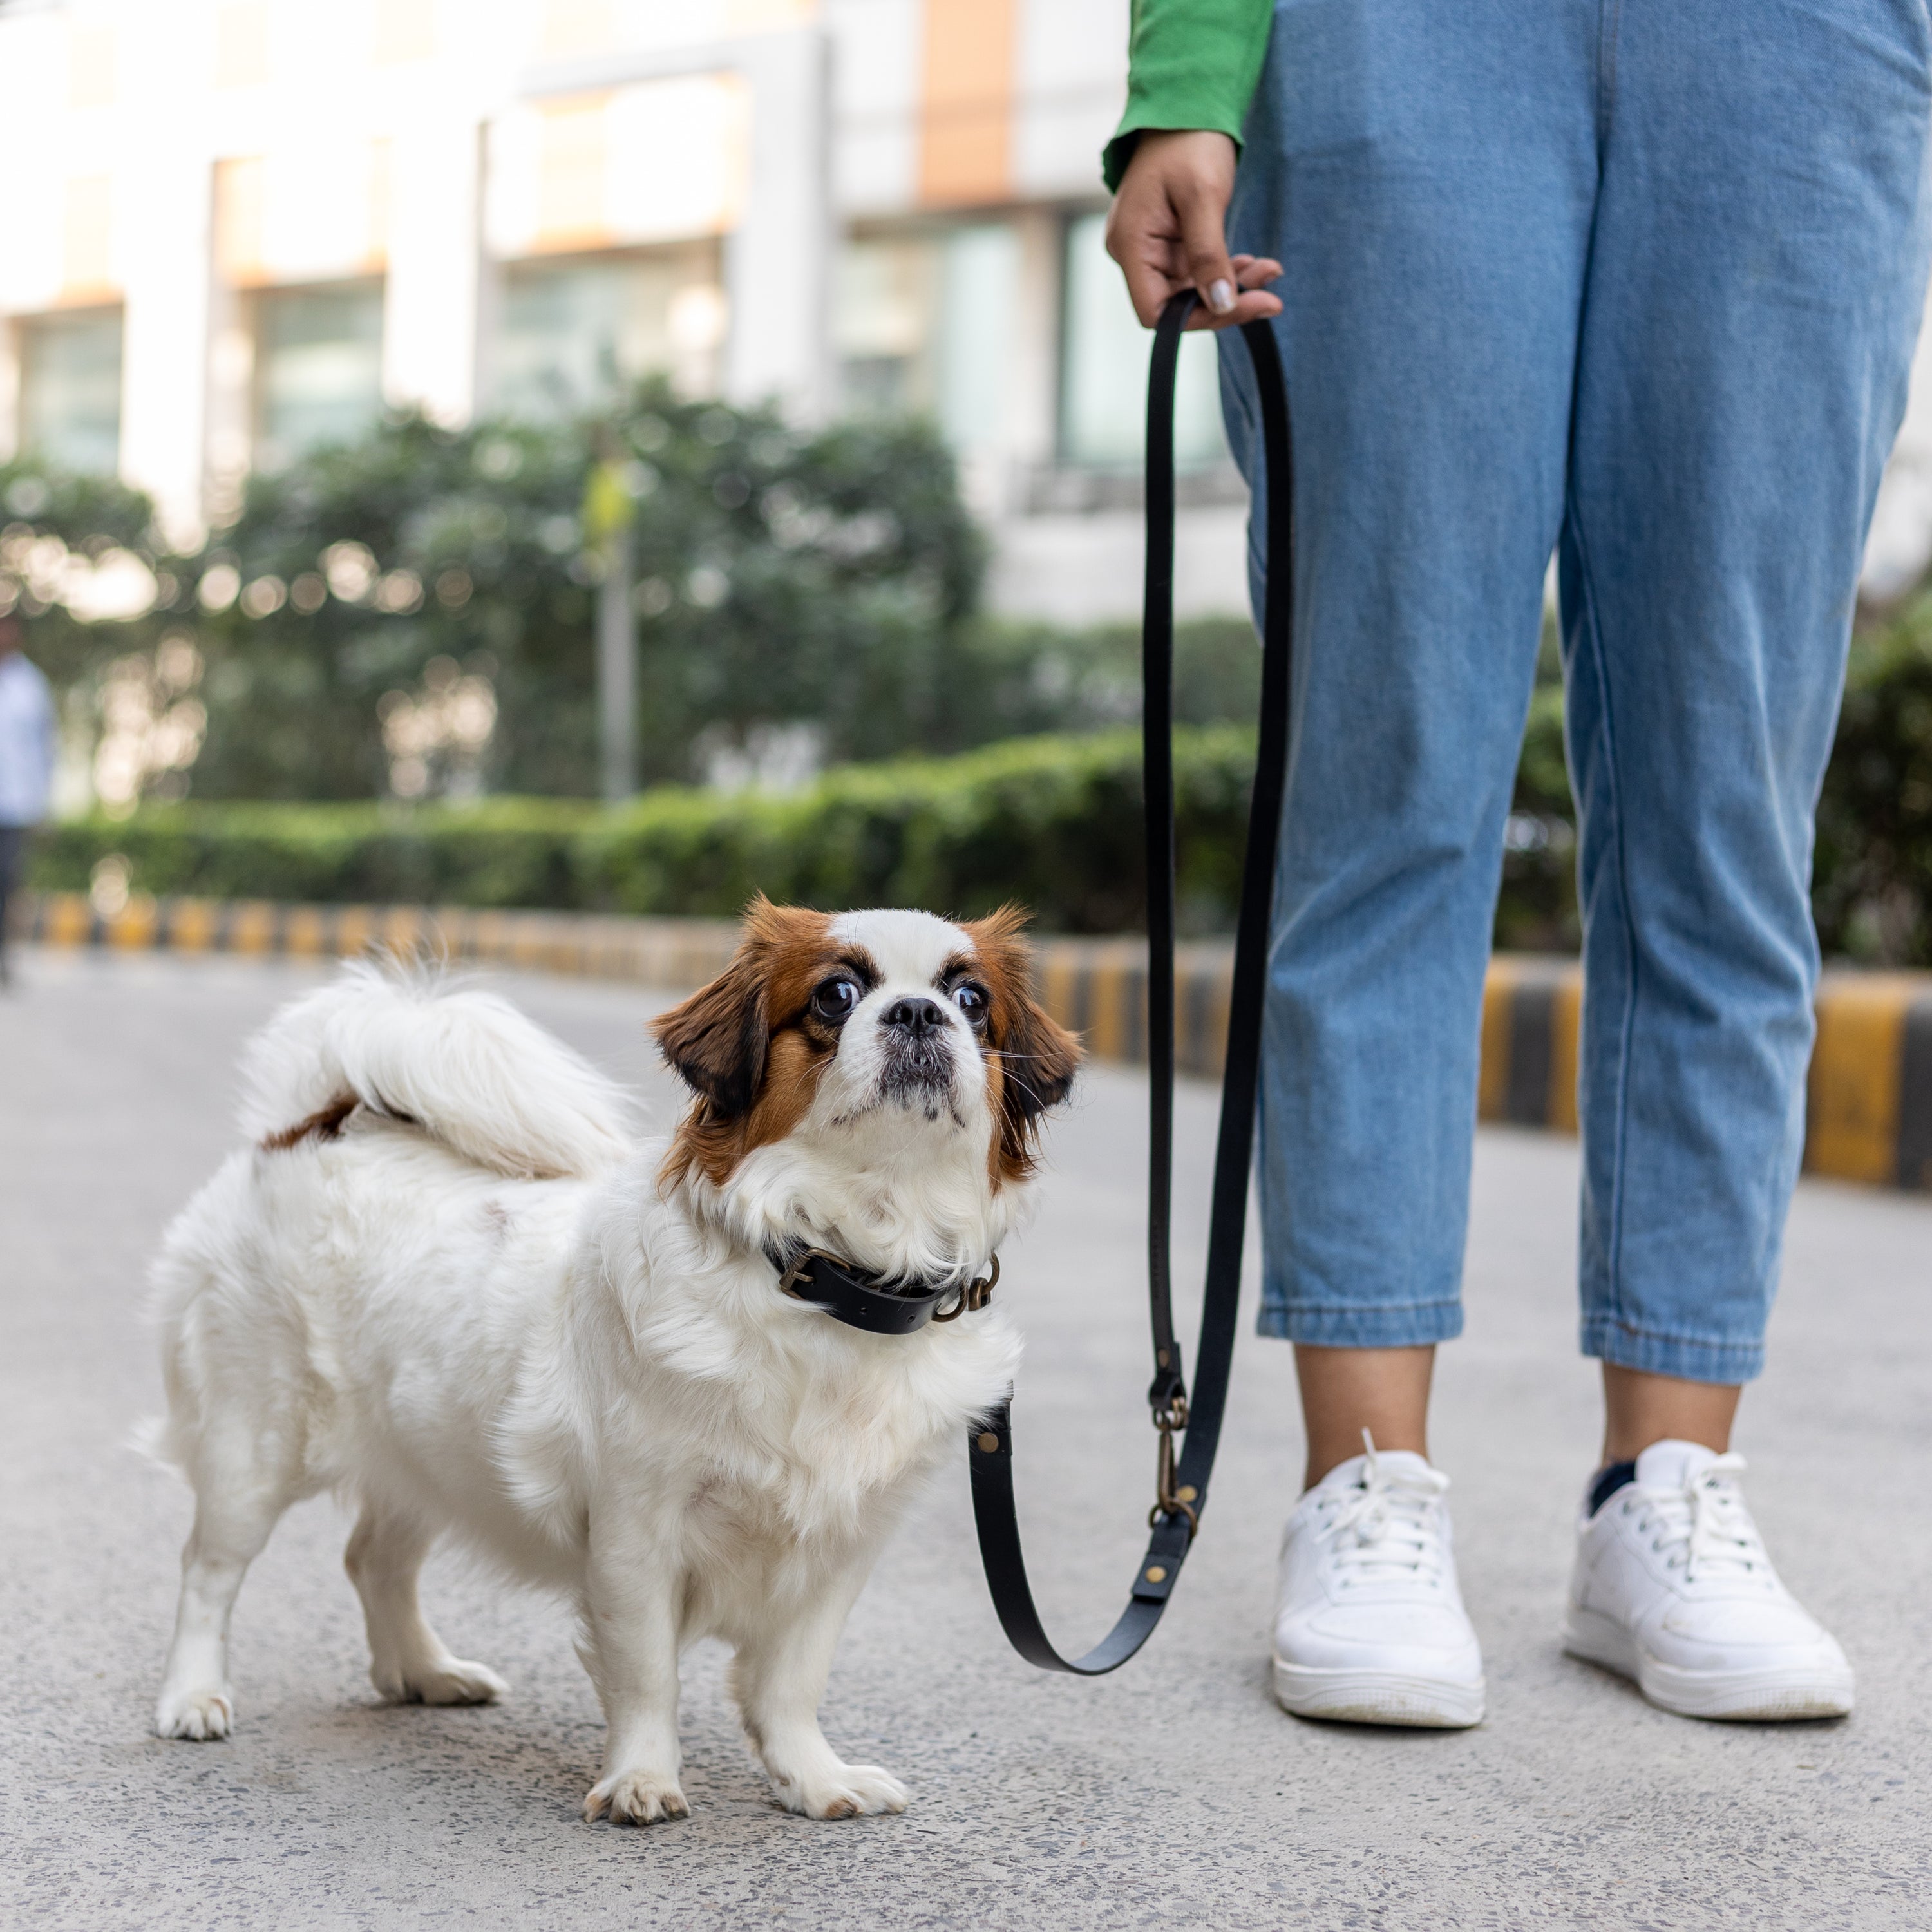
(446, 1279)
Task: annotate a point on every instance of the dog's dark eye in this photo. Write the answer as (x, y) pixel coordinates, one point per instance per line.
(835, 1000)
(971, 1000)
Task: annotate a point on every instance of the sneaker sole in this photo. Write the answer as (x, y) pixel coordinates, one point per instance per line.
(1740, 1697)
(1377, 1697)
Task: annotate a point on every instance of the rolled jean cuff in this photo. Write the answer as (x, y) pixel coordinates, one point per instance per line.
(1401, 1324)
(1690, 1358)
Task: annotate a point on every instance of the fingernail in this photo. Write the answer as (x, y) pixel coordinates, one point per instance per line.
(1220, 297)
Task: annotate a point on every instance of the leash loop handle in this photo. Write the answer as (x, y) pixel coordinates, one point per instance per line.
(1181, 1490)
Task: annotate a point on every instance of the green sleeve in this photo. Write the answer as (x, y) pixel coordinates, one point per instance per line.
(1190, 64)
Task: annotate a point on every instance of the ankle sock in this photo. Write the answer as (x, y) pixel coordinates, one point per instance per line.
(1610, 1478)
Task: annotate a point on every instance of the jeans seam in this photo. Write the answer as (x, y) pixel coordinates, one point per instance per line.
(1664, 1351)
(1620, 1114)
(1279, 1299)
(1609, 18)
(1650, 1332)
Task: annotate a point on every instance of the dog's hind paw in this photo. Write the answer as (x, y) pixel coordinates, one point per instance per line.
(636, 1798)
(844, 1791)
(199, 1715)
(449, 1680)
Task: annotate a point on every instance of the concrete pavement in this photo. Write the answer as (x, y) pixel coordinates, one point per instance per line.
(1172, 1794)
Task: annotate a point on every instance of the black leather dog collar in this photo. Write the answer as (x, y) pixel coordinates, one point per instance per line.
(863, 1301)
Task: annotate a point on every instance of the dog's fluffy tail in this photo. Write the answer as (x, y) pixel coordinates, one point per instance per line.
(463, 1065)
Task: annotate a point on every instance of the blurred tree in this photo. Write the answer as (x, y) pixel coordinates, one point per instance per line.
(81, 563)
(76, 552)
(1009, 679)
(787, 583)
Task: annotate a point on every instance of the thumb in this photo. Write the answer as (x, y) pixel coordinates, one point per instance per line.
(1204, 242)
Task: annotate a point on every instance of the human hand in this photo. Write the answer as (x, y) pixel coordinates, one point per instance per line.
(1167, 230)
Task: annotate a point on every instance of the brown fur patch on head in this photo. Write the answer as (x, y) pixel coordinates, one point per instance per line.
(1031, 1058)
(748, 1044)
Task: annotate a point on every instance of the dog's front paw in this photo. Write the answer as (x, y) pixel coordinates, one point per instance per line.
(198, 1715)
(636, 1798)
(450, 1681)
(842, 1791)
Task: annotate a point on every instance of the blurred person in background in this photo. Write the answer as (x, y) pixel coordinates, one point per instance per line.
(26, 761)
(1636, 281)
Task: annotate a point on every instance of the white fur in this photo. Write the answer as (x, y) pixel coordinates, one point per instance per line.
(496, 1323)
(485, 1080)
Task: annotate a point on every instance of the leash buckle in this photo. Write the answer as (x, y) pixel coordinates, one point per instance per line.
(1170, 1419)
(973, 1296)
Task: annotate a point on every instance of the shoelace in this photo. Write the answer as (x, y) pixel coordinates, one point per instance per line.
(1704, 1526)
(1388, 1527)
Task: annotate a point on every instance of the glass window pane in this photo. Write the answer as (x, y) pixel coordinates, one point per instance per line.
(979, 285)
(571, 334)
(70, 390)
(1104, 352)
(318, 368)
(884, 293)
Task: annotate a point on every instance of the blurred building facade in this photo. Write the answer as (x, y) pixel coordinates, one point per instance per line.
(239, 227)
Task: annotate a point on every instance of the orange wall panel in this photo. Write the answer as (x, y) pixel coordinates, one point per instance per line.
(967, 102)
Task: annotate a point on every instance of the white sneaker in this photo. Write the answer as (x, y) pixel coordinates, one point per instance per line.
(1369, 1626)
(1673, 1588)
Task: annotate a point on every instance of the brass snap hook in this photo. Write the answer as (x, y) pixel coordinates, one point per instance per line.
(1168, 1500)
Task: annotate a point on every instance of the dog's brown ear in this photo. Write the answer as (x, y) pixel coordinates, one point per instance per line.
(715, 1042)
(1036, 1057)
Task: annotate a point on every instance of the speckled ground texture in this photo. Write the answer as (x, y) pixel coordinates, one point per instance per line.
(1174, 1793)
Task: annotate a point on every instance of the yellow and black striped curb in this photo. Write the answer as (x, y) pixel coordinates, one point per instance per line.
(1869, 1111)
(1871, 1095)
(670, 952)
(1099, 987)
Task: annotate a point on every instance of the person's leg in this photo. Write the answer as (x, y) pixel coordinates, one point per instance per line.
(1755, 286)
(1425, 176)
(1345, 1391)
(1639, 1409)
(13, 838)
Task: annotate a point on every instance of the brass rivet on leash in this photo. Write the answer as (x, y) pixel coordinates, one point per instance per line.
(1156, 1574)
(1185, 1493)
(989, 1441)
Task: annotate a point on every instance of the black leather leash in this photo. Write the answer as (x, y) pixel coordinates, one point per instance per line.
(1181, 1493)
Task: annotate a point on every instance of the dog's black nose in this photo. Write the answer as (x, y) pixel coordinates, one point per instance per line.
(918, 1017)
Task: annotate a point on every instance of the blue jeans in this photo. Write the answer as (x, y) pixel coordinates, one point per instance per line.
(1636, 281)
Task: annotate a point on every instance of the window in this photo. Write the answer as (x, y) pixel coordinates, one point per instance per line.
(979, 271)
(574, 333)
(923, 325)
(70, 390)
(1103, 367)
(318, 368)
(883, 298)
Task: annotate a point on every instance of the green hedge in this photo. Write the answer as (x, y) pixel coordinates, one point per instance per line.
(1053, 822)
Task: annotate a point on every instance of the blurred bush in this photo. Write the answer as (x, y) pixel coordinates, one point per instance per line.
(1536, 911)
(1872, 872)
(1054, 822)
(1872, 890)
